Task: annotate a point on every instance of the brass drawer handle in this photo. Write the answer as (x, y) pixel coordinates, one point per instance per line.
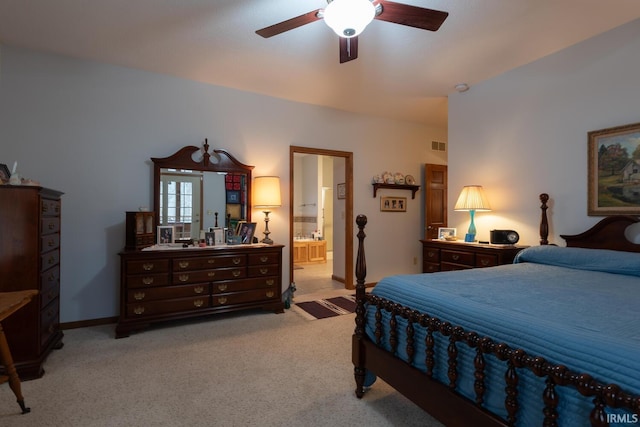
(198, 303)
(52, 226)
(431, 254)
(183, 277)
(45, 208)
(139, 296)
(147, 266)
(237, 260)
(183, 264)
(52, 260)
(455, 257)
(264, 270)
(211, 274)
(484, 262)
(198, 289)
(211, 261)
(51, 277)
(222, 287)
(147, 280)
(222, 300)
(236, 273)
(264, 258)
(138, 310)
(270, 282)
(270, 294)
(50, 243)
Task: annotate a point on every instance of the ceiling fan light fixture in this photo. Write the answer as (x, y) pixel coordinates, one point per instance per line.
(348, 18)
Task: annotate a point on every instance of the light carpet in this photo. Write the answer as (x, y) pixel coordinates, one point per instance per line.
(242, 369)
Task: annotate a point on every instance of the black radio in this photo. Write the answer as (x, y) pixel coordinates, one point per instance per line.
(503, 237)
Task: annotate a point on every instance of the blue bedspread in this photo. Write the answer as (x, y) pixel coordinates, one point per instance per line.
(578, 307)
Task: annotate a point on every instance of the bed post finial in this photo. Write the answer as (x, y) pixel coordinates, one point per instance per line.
(544, 225)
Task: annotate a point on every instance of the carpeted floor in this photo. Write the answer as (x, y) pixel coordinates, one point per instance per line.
(249, 369)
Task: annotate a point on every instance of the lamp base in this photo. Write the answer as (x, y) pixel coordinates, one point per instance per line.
(266, 239)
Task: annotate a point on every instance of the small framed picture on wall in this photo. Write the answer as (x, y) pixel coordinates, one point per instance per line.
(393, 204)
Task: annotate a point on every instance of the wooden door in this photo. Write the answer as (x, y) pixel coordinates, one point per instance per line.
(435, 200)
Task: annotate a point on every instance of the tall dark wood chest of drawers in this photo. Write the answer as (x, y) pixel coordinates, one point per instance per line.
(167, 284)
(30, 259)
(441, 255)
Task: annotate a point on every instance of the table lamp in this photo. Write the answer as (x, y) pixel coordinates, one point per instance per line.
(472, 199)
(266, 195)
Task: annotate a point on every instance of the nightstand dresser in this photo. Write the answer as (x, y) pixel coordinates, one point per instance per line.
(442, 255)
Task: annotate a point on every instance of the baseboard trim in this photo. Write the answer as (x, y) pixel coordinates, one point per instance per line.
(86, 323)
(338, 279)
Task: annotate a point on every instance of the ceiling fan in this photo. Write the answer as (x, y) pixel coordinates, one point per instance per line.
(348, 18)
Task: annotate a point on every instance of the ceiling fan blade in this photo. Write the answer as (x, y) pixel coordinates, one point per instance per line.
(411, 16)
(289, 24)
(348, 49)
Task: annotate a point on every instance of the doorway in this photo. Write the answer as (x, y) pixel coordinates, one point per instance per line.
(321, 226)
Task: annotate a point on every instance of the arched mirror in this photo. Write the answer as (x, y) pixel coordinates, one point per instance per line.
(197, 190)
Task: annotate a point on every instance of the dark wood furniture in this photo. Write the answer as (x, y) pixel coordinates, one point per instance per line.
(140, 230)
(441, 400)
(30, 259)
(410, 187)
(442, 255)
(10, 302)
(169, 284)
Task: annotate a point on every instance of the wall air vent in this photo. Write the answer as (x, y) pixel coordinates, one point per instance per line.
(438, 146)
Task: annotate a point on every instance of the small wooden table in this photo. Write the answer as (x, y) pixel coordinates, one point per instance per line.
(10, 302)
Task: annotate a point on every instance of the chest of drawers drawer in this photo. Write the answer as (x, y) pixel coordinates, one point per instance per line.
(49, 285)
(198, 276)
(147, 280)
(177, 305)
(167, 292)
(204, 263)
(458, 257)
(243, 297)
(147, 266)
(244, 285)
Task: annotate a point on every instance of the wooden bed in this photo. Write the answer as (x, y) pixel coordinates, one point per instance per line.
(442, 400)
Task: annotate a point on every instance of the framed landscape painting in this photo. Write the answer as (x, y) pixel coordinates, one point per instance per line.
(614, 171)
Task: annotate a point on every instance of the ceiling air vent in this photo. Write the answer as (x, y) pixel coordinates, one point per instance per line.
(438, 146)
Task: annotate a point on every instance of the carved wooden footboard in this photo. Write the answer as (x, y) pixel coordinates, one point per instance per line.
(443, 401)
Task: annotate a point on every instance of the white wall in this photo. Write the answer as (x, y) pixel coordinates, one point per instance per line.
(525, 132)
(89, 129)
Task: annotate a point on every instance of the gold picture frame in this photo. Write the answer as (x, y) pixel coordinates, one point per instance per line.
(614, 171)
(393, 204)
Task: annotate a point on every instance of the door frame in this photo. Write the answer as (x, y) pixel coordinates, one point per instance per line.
(348, 234)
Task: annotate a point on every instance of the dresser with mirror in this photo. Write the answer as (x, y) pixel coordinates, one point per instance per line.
(195, 190)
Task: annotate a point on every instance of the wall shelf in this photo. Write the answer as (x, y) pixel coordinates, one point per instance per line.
(412, 188)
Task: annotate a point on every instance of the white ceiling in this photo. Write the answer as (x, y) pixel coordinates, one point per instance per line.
(401, 72)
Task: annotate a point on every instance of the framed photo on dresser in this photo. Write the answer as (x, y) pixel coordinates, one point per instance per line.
(165, 234)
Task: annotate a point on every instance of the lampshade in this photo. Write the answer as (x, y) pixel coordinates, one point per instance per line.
(472, 197)
(347, 18)
(266, 192)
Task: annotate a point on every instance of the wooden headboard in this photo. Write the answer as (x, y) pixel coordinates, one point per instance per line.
(606, 234)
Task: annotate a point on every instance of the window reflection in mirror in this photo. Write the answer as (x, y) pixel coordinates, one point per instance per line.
(189, 200)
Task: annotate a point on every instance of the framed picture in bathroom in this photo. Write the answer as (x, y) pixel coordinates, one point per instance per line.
(342, 190)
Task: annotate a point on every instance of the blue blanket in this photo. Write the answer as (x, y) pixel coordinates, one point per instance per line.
(578, 307)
